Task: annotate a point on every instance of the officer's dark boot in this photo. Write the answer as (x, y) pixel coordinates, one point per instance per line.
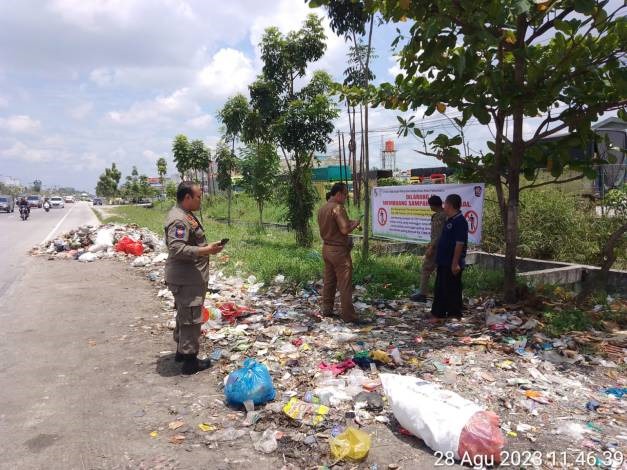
(191, 364)
(178, 357)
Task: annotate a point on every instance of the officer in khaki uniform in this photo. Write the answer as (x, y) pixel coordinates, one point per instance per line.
(187, 273)
(428, 264)
(336, 253)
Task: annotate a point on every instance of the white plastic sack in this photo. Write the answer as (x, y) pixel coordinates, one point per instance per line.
(140, 261)
(104, 237)
(435, 415)
(160, 258)
(87, 257)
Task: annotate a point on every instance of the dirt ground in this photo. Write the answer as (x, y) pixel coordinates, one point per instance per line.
(88, 381)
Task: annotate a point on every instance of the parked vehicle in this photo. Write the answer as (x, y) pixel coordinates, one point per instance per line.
(57, 202)
(7, 203)
(69, 199)
(97, 201)
(35, 201)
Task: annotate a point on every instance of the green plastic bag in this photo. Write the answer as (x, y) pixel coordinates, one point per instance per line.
(352, 444)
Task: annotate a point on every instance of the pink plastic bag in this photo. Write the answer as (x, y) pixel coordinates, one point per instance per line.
(482, 437)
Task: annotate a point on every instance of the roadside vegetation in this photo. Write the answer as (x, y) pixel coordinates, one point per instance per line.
(268, 252)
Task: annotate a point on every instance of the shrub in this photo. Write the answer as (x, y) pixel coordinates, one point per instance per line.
(553, 225)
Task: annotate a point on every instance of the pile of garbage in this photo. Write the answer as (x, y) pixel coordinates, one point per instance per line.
(296, 384)
(89, 243)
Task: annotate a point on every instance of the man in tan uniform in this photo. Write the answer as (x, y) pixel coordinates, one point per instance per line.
(428, 264)
(187, 273)
(338, 265)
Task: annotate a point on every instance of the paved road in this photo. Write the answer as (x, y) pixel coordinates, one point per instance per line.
(17, 236)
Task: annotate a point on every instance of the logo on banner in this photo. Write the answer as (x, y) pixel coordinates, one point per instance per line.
(382, 216)
(473, 221)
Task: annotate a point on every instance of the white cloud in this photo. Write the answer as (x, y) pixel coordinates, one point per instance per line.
(102, 76)
(163, 108)
(150, 155)
(289, 16)
(200, 122)
(395, 69)
(95, 15)
(88, 161)
(229, 72)
(21, 151)
(82, 110)
(19, 123)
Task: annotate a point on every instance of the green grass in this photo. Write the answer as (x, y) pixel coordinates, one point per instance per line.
(267, 253)
(559, 322)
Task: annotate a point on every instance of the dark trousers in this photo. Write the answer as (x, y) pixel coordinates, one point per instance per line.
(447, 300)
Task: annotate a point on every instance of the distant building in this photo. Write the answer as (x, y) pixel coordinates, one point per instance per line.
(155, 182)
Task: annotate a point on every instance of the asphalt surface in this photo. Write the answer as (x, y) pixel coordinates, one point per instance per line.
(18, 236)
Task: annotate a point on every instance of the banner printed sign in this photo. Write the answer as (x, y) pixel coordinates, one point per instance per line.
(403, 213)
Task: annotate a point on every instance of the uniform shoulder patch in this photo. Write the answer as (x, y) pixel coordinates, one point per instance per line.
(179, 231)
(192, 221)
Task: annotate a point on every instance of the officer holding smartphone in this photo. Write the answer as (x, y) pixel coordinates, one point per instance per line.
(187, 273)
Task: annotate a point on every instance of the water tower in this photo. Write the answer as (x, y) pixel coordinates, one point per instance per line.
(388, 155)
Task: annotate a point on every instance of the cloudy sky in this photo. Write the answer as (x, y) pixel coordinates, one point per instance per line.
(84, 83)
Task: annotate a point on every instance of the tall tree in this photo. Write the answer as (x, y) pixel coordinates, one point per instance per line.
(37, 186)
(233, 115)
(162, 169)
(199, 159)
(297, 121)
(354, 20)
(354, 78)
(227, 164)
(260, 168)
(108, 181)
(180, 152)
(536, 67)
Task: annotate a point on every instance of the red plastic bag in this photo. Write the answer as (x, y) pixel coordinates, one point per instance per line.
(123, 244)
(482, 437)
(135, 248)
(205, 314)
(129, 246)
(230, 311)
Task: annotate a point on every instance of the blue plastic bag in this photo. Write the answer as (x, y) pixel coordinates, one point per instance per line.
(251, 382)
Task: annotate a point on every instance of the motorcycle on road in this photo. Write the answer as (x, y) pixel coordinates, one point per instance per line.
(24, 212)
(47, 206)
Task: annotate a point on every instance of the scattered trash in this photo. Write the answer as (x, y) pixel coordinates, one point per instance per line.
(87, 257)
(616, 392)
(324, 376)
(264, 442)
(352, 444)
(251, 382)
(306, 413)
(129, 246)
(442, 418)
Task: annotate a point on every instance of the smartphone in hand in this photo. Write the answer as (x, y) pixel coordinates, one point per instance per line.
(224, 241)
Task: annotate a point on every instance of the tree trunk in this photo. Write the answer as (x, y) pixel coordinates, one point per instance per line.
(228, 210)
(365, 249)
(515, 164)
(260, 207)
(598, 280)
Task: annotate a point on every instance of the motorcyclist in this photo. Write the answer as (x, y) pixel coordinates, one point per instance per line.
(23, 205)
(46, 204)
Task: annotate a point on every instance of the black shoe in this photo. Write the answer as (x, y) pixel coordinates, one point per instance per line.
(179, 357)
(418, 298)
(191, 364)
(360, 321)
